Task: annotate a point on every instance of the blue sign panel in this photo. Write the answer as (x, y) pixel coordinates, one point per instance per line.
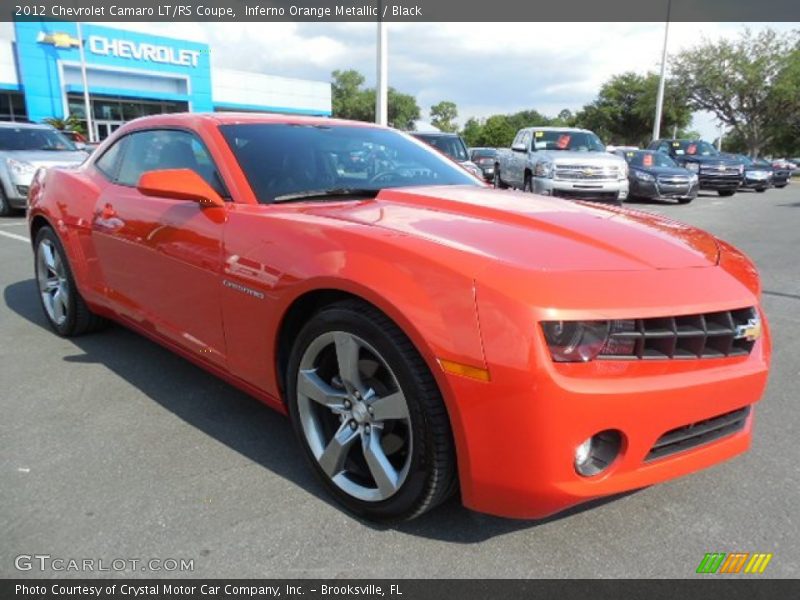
(119, 63)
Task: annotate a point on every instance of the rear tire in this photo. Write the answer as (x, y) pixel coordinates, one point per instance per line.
(684, 200)
(5, 206)
(782, 185)
(385, 460)
(761, 190)
(726, 193)
(64, 307)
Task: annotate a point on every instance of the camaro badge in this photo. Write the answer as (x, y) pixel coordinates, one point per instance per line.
(59, 39)
(750, 331)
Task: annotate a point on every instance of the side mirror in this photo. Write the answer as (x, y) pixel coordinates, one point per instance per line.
(179, 184)
(519, 148)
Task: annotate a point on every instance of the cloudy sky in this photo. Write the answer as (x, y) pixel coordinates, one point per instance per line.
(486, 68)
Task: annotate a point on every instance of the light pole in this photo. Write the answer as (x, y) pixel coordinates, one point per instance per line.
(381, 93)
(662, 81)
(87, 105)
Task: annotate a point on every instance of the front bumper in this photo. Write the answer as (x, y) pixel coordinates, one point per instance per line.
(599, 191)
(517, 434)
(653, 190)
(722, 182)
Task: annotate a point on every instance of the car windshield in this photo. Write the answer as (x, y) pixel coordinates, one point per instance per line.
(33, 138)
(484, 153)
(573, 141)
(451, 145)
(648, 159)
(698, 148)
(289, 161)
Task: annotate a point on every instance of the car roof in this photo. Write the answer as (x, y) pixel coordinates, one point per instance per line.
(552, 128)
(23, 125)
(233, 118)
(434, 133)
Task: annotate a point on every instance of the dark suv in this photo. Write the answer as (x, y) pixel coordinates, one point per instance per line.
(716, 172)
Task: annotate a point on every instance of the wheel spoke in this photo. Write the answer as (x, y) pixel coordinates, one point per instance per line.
(333, 457)
(311, 385)
(392, 406)
(49, 259)
(382, 471)
(347, 350)
(59, 310)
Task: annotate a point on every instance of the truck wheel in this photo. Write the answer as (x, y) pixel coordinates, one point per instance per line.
(684, 200)
(726, 192)
(781, 185)
(761, 190)
(527, 185)
(497, 182)
(5, 206)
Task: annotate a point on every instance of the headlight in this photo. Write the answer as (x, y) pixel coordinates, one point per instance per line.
(741, 169)
(693, 166)
(474, 170)
(544, 169)
(582, 341)
(575, 341)
(642, 176)
(623, 170)
(693, 179)
(20, 169)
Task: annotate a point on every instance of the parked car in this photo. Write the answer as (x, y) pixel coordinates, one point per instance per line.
(484, 158)
(655, 176)
(757, 174)
(25, 147)
(781, 174)
(716, 172)
(423, 331)
(451, 145)
(564, 162)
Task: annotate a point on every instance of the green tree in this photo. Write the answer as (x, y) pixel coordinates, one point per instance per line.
(473, 132)
(624, 109)
(443, 116)
(351, 100)
(498, 132)
(750, 84)
(70, 123)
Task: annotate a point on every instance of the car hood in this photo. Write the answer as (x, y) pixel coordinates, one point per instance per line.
(47, 158)
(709, 160)
(531, 231)
(566, 157)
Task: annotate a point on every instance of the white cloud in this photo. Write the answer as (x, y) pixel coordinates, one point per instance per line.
(486, 68)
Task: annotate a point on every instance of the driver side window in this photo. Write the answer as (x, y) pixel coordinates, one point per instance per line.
(167, 149)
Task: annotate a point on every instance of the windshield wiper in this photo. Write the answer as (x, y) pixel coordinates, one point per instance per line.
(329, 193)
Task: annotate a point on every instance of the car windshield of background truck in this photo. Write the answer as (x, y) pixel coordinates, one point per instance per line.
(283, 161)
(574, 141)
(649, 159)
(694, 148)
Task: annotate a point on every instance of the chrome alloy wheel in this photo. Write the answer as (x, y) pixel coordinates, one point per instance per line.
(354, 416)
(53, 285)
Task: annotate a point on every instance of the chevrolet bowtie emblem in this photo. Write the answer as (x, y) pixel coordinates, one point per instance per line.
(589, 171)
(750, 331)
(59, 39)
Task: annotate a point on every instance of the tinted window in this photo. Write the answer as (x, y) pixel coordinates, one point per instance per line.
(698, 148)
(648, 159)
(109, 162)
(484, 153)
(166, 149)
(451, 145)
(284, 159)
(33, 138)
(573, 141)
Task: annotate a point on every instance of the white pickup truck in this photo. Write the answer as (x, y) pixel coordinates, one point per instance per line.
(562, 161)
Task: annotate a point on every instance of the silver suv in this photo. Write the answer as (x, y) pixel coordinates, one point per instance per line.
(24, 148)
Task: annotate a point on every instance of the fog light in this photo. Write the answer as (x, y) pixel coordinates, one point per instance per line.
(597, 453)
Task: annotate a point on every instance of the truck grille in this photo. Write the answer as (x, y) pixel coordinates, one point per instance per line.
(710, 335)
(673, 180)
(727, 170)
(586, 173)
(697, 434)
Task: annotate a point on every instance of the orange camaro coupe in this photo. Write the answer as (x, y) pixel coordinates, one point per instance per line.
(424, 333)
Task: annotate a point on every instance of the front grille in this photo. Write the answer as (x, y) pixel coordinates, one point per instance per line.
(673, 180)
(719, 170)
(586, 173)
(710, 335)
(697, 434)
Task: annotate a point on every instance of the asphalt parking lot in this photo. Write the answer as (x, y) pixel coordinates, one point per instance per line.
(114, 447)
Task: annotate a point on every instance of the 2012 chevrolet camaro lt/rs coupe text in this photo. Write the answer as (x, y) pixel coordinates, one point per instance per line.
(424, 333)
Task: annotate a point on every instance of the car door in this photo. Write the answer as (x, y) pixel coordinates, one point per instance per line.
(160, 258)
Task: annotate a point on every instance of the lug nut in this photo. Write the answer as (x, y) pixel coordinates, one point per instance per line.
(366, 429)
(347, 404)
(353, 425)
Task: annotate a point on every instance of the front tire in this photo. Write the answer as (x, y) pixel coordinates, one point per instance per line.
(684, 200)
(527, 185)
(64, 307)
(497, 181)
(369, 415)
(726, 193)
